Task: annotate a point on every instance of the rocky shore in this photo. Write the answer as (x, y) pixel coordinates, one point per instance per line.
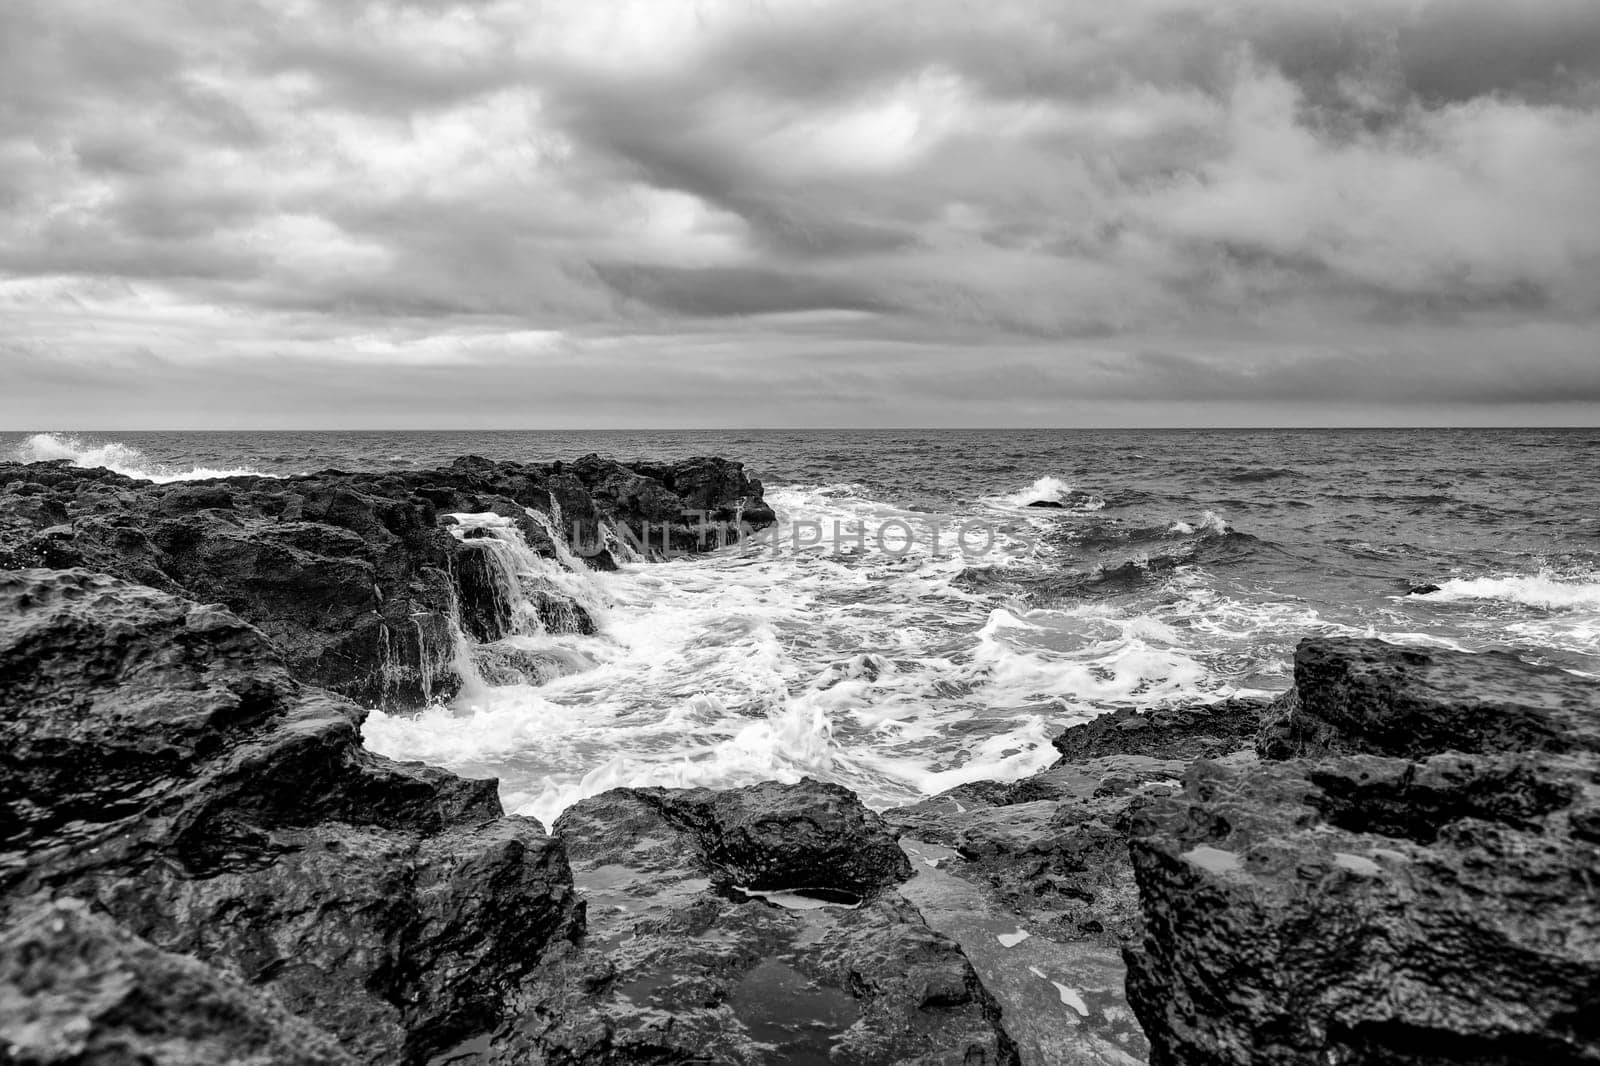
(1394, 862)
(358, 579)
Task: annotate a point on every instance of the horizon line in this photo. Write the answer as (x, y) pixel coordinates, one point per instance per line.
(808, 429)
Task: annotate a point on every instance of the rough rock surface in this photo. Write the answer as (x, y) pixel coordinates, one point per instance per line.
(1366, 696)
(749, 926)
(1048, 856)
(1422, 892)
(355, 577)
(159, 763)
(1053, 846)
(76, 988)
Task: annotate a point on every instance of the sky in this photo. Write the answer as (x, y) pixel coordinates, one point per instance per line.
(876, 213)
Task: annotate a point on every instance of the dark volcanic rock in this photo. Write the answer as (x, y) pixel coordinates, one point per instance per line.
(1200, 731)
(1053, 847)
(809, 836)
(355, 577)
(1362, 695)
(158, 761)
(1422, 893)
(75, 988)
(679, 966)
(1294, 913)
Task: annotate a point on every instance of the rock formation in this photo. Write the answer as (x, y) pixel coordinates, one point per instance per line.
(159, 764)
(202, 864)
(357, 578)
(1418, 886)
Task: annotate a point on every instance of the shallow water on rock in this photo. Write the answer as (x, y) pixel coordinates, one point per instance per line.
(1061, 1001)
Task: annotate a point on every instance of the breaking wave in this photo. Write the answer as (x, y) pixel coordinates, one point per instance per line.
(1545, 591)
(116, 457)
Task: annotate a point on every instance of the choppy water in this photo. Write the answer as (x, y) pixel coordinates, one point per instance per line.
(1183, 565)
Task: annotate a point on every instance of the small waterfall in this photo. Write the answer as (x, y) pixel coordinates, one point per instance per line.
(551, 524)
(531, 594)
(621, 550)
(416, 661)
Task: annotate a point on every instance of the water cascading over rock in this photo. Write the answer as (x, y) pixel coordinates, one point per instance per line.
(352, 576)
(506, 590)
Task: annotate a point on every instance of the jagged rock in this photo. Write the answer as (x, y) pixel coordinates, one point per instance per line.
(820, 960)
(1362, 695)
(159, 762)
(1198, 731)
(1053, 846)
(76, 988)
(352, 576)
(1048, 856)
(1429, 898)
(1296, 912)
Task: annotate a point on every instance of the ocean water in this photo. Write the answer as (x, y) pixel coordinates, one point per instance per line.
(1179, 566)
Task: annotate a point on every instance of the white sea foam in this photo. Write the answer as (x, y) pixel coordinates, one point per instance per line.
(1544, 590)
(887, 675)
(115, 456)
(1044, 490)
(1209, 521)
(738, 667)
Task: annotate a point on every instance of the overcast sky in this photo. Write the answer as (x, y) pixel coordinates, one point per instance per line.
(591, 213)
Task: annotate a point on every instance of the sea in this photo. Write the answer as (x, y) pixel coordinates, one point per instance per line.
(935, 605)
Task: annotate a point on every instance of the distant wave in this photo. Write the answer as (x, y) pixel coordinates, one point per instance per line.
(1049, 493)
(1044, 490)
(117, 457)
(1544, 590)
(1209, 522)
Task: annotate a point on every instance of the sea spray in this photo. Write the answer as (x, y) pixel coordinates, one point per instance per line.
(116, 457)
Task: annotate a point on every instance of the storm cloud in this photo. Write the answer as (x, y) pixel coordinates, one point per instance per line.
(798, 212)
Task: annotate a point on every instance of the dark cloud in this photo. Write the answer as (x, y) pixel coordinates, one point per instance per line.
(1011, 211)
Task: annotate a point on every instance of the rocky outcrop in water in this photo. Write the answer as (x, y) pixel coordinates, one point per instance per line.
(1415, 885)
(357, 578)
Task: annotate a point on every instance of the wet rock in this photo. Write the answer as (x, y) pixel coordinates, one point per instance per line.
(808, 836)
(77, 988)
(354, 577)
(1421, 890)
(1196, 731)
(159, 762)
(1048, 856)
(1297, 912)
(1355, 695)
(749, 926)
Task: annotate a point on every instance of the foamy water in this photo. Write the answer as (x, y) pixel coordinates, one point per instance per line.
(115, 456)
(901, 660)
